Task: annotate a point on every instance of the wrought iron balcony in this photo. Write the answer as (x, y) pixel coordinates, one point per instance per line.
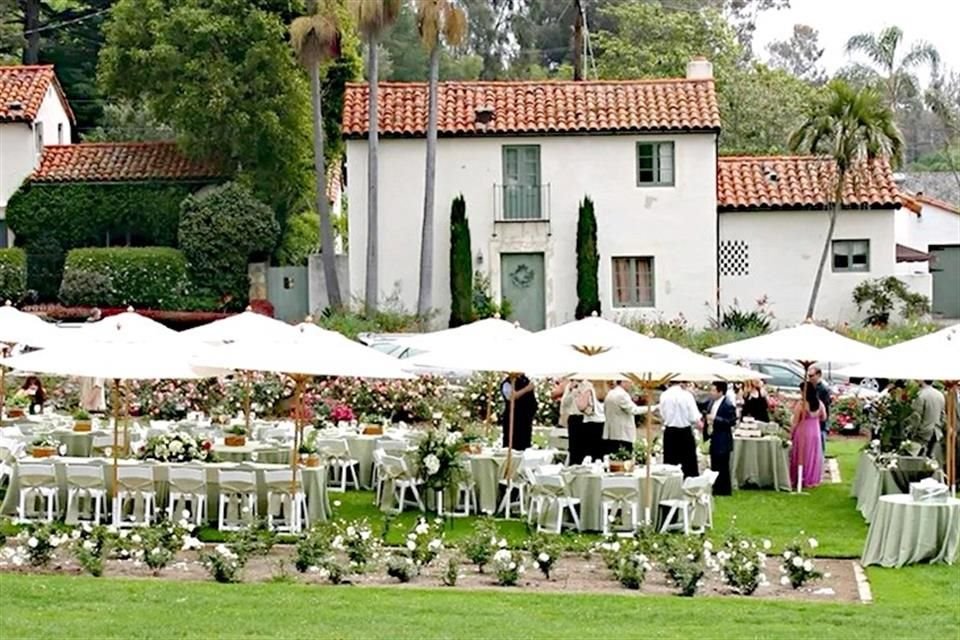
(521, 203)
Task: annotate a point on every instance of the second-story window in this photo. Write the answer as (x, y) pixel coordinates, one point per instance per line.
(521, 182)
(655, 164)
(38, 136)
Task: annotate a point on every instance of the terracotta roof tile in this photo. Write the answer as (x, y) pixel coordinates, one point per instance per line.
(936, 202)
(22, 89)
(799, 182)
(119, 162)
(537, 107)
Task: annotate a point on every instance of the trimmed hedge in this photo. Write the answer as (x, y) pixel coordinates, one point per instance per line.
(13, 274)
(148, 277)
(50, 219)
(220, 231)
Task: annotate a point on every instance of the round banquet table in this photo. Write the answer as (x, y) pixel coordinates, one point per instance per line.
(760, 462)
(905, 531)
(873, 481)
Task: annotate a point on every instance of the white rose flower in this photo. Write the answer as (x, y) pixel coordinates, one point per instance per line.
(411, 536)
(503, 543)
(351, 532)
(431, 463)
(89, 545)
(32, 542)
(411, 545)
(512, 565)
(422, 528)
(365, 534)
(434, 544)
(797, 561)
(807, 565)
(707, 545)
(813, 543)
(744, 544)
(543, 557)
(136, 539)
(785, 581)
(766, 545)
(787, 555)
(75, 534)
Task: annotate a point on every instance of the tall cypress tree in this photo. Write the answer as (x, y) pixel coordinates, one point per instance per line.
(461, 265)
(588, 261)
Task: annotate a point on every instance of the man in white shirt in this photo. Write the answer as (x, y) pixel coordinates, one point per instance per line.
(679, 412)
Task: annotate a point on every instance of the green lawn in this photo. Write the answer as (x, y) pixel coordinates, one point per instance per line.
(919, 601)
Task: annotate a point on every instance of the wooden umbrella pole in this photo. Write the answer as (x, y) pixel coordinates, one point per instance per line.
(126, 419)
(115, 400)
(297, 426)
(951, 454)
(4, 351)
(247, 391)
(510, 420)
(648, 486)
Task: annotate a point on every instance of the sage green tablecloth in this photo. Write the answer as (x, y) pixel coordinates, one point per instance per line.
(314, 480)
(760, 462)
(586, 486)
(253, 452)
(871, 481)
(361, 449)
(906, 532)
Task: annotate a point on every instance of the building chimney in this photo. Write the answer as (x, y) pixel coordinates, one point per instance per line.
(699, 68)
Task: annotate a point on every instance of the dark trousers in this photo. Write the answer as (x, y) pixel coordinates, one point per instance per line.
(578, 439)
(680, 448)
(720, 462)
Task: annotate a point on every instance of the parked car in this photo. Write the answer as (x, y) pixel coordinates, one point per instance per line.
(392, 345)
(786, 376)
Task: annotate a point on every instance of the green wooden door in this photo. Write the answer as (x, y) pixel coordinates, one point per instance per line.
(287, 291)
(522, 284)
(946, 281)
(521, 182)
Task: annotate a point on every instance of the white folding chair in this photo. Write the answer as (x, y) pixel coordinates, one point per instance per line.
(515, 486)
(343, 468)
(188, 493)
(286, 509)
(85, 483)
(37, 482)
(553, 494)
(396, 471)
(237, 504)
(135, 489)
(618, 495)
(697, 495)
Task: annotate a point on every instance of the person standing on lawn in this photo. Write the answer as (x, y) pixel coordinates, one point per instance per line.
(805, 439)
(680, 415)
(620, 427)
(815, 377)
(929, 416)
(721, 420)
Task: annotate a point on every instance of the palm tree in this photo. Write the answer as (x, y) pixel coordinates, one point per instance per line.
(900, 83)
(315, 38)
(373, 17)
(437, 21)
(851, 127)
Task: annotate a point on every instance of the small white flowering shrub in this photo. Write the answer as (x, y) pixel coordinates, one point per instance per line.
(545, 552)
(480, 546)
(224, 564)
(739, 561)
(797, 564)
(401, 567)
(39, 541)
(424, 541)
(355, 539)
(507, 566)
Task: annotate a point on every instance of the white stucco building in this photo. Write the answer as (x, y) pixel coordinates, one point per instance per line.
(927, 227)
(33, 114)
(680, 231)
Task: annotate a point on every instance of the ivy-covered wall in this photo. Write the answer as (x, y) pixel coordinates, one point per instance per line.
(51, 219)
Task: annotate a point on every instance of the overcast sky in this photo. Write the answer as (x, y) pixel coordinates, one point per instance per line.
(935, 21)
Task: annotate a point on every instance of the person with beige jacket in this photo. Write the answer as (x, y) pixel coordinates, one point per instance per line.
(619, 427)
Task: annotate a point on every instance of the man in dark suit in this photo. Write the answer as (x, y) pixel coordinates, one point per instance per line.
(721, 419)
(815, 377)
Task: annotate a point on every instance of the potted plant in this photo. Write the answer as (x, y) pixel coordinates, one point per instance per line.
(81, 421)
(309, 452)
(44, 447)
(236, 436)
(371, 425)
(17, 406)
(621, 461)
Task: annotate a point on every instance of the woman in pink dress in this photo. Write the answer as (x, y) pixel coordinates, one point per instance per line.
(805, 438)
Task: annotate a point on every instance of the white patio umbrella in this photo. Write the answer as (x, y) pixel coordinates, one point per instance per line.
(311, 351)
(128, 326)
(17, 327)
(118, 360)
(931, 357)
(486, 329)
(806, 343)
(592, 335)
(242, 327)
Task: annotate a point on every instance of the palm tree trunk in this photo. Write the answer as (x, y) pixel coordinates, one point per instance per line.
(323, 206)
(31, 26)
(373, 139)
(425, 299)
(834, 213)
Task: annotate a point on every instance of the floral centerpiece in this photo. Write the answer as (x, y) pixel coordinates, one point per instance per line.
(44, 447)
(341, 413)
(236, 436)
(640, 452)
(371, 424)
(17, 405)
(177, 447)
(81, 421)
(439, 459)
(309, 452)
(621, 461)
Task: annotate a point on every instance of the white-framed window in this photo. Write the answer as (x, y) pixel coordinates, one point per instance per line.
(633, 282)
(38, 136)
(59, 133)
(851, 255)
(655, 164)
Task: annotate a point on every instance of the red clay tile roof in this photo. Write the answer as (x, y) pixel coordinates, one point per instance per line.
(548, 108)
(936, 202)
(22, 89)
(119, 162)
(799, 182)
(909, 254)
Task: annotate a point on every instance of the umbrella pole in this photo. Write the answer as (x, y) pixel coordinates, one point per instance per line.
(115, 401)
(951, 453)
(510, 420)
(126, 419)
(297, 426)
(247, 392)
(4, 352)
(648, 487)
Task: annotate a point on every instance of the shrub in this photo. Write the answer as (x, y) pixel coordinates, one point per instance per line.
(797, 564)
(220, 231)
(461, 265)
(40, 541)
(312, 547)
(452, 573)
(356, 539)
(508, 567)
(390, 317)
(50, 219)
(424, 541)
(632, 569)
(401, 567)
(484, 306)
(545, 552)
(881, 295)
(254, 540)
(224, 564)
(91, 546)
(588, 262)
(149, 277)
(480, 546)
(13, 274)
(684, 564)
(301, 237)
(739, 562)
(753, 322)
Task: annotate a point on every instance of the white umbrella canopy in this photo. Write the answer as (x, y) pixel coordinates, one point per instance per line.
(483, 330)
(805, 342)
(128, 326)
(592, 334)
(17, 327)
(311, 351)
(242, 327)
(657, 359)
(931, 357)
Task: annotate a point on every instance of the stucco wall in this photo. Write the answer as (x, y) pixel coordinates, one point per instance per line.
(676, 225)
(933, 226)
(784, 249)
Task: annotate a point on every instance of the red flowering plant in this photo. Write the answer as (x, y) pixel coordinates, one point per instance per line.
(847, 415)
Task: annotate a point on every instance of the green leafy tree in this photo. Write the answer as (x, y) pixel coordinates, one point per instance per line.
(373, 18)
(439, 22)
(461, 265)
(800, 55)
(316, 38)
(851, 127)
(221, 74)
(895, 73)
(588, 262)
